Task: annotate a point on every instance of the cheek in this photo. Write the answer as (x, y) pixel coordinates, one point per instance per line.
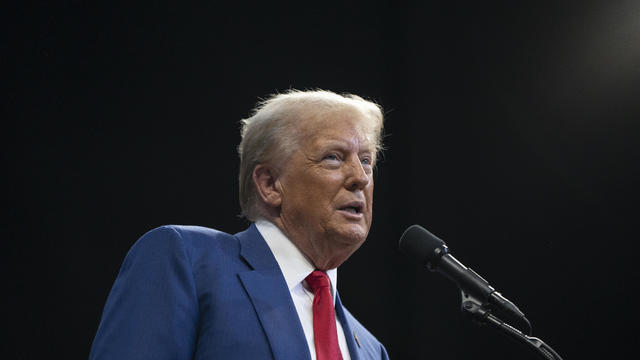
(324, 188)
(369, 196)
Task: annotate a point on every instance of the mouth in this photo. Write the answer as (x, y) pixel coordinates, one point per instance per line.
(354, 208)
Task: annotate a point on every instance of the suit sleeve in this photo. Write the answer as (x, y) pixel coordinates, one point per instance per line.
(152, 309)
(383, 351)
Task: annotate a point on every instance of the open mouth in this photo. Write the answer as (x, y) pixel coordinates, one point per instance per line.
(353, 209)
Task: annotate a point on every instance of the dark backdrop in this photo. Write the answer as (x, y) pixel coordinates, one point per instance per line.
(512, 133)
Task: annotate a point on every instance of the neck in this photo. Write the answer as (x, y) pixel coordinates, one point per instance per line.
(315, 250)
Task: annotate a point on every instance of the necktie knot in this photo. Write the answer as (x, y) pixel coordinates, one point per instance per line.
(318, 280)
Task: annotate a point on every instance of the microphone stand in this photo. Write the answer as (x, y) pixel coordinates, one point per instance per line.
(481, 313)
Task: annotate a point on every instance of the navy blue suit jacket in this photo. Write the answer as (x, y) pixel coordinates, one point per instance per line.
(188, 292)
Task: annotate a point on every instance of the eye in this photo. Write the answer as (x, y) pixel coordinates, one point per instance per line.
(366, 160)
(332, 156)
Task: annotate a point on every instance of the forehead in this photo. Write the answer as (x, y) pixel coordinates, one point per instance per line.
(346, 125)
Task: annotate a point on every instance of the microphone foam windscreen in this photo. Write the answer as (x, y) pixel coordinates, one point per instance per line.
(419, 244)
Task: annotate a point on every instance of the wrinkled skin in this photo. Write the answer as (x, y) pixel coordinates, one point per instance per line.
(322, 199)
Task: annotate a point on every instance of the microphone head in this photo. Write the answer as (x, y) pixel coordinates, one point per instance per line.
(421, 245)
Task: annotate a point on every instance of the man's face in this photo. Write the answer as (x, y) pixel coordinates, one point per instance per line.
(327, 188)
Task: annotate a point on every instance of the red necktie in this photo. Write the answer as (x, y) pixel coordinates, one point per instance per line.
(325, 335)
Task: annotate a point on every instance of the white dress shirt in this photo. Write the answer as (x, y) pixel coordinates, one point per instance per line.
(296, 267)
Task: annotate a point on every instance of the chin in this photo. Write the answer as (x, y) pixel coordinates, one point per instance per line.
(353, 234)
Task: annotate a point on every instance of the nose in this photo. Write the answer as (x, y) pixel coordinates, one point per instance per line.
(357, 178)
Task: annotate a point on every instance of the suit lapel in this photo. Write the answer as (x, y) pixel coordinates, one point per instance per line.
(270, 297)
(349, 334)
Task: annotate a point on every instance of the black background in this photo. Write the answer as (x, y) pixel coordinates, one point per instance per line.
(512, 133)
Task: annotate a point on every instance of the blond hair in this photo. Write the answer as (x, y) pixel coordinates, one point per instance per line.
(270, 136)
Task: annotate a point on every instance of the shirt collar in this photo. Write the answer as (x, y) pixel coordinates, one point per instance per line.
(295, 266)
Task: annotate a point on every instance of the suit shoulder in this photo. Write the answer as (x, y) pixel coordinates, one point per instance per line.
(187, 230)
(172, 239)
(187, 233)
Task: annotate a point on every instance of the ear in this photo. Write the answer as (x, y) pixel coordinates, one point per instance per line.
(267, 186)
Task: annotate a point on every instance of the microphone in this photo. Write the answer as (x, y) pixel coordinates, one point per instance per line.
(429, 250)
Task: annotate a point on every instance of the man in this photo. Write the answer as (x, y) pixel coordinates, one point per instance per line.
(306, 184)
